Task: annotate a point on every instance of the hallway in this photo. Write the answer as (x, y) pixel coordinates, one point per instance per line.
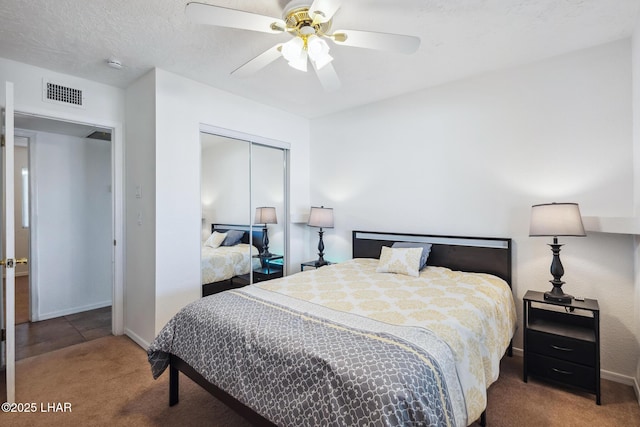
(52, 334)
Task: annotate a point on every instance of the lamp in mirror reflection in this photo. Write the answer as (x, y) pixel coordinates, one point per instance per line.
(556, 219)
(320, 217)
(265, 215)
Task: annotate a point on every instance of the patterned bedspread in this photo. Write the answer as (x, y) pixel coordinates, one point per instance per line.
(456, 324)
(224, 262)
(474, 313)
(298, 369)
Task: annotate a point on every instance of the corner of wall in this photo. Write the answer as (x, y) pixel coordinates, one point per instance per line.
(635, 84)
(139, 184)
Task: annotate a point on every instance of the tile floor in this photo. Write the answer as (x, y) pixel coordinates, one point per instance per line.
(48, 335)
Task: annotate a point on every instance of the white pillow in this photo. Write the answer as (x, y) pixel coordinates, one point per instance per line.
(215, 240)
(400, 260)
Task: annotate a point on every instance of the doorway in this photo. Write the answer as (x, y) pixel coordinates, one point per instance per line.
(68, 285)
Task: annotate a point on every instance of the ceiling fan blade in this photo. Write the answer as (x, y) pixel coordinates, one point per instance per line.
(223, 17)
(323, 10)
(379, 41)
(328, 77)
(259, 62)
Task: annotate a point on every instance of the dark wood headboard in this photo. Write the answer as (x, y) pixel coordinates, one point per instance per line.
(256, 232)
(473, 254)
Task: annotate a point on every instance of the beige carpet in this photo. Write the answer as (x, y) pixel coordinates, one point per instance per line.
(108, 383)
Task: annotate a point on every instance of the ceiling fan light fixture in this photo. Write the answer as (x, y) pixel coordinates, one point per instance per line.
(293, 49)
(300, 63)
(317, 47)
(309, 25)
(318, 51)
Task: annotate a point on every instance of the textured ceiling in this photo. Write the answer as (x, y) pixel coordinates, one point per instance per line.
(459, 38)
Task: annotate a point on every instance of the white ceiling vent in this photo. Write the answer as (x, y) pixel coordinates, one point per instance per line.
(61, 94)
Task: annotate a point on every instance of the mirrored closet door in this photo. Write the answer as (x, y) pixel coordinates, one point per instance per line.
(244, 211)
(268, 185)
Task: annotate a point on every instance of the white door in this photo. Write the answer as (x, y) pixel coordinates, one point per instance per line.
(7, 255)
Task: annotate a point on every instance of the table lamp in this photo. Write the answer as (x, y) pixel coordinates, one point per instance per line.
(556, 219)
(323, 218)
(265, 215)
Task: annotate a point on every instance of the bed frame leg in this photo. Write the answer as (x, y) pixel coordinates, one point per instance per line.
(510, 349)
(173, 385)
(483, 418)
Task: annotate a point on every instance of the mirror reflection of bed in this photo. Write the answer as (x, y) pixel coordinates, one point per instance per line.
(228, 257)
(237, 177)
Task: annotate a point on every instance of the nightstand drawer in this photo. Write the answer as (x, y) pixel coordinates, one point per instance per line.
(560, 347)
(562, 371)
(262, 276)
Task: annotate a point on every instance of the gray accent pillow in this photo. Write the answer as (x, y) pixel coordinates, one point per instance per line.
(233, 238)
(426, 250)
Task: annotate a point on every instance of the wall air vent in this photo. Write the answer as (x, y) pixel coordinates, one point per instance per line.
(60, 94)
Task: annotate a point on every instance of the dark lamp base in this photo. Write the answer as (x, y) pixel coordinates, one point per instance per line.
(320, 263)
(558, 297)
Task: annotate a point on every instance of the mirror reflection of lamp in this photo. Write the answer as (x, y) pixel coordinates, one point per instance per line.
(320, 217)
(265, 215)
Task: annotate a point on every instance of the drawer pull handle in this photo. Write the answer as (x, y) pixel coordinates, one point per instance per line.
(560, 371)
(555, 347)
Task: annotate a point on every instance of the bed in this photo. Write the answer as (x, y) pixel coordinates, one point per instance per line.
(227, 267)
(322, 347)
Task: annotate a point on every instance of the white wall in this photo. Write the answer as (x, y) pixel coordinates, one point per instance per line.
(140, 203)
(181, 105)
(635, 52)
(471, 157)
(72, 243)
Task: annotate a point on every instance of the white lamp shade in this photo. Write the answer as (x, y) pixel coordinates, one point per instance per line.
(321, 217)
(556, 219)
(266, 215)
(300, 64)
(292, 49)
(318, 51)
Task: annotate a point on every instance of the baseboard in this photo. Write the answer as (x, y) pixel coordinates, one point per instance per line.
(618, 378)
(622, 379)
(136, 338)
(73, 310)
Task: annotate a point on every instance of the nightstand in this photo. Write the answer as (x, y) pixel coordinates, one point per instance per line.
(272, 268)
(312, 264)
(562, 346)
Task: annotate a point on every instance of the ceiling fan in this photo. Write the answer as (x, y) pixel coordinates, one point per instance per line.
(310, 25)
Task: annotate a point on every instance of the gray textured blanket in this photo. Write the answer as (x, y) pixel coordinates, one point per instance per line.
(298, 369)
